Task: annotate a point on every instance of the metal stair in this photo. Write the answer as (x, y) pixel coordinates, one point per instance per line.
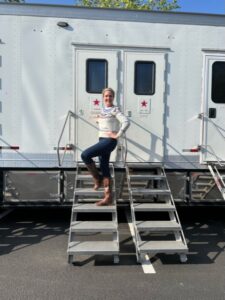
(202, 184)
(87, 236)
(218, 177)
(157, 227)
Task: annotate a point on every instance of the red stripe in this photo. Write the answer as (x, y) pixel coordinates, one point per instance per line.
(194, 150)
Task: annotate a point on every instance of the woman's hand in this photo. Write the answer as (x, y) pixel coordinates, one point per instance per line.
(112, 134)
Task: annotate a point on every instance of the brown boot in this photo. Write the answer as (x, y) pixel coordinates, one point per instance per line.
(96, 177)
(107, 193)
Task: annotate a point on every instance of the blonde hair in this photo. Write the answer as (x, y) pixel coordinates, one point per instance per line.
(108, 90)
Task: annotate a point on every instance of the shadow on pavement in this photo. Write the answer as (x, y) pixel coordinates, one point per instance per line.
(204, 229)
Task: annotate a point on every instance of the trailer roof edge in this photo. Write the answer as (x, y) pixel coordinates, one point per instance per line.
(62, 11)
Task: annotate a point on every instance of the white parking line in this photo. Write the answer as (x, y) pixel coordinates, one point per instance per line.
(147, 265)
(145, 260)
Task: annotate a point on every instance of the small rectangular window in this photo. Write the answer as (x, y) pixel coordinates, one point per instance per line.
(144, 78)
(96, 75)
(218, 82)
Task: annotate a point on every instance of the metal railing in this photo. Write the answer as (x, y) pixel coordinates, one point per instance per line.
(218, 179)
(205, 116)
(122, 148)
(68, 146)
(214, 154)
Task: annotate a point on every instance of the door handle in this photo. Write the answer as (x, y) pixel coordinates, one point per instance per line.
(212, 113)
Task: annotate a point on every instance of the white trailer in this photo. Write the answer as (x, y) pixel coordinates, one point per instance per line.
(168, 71)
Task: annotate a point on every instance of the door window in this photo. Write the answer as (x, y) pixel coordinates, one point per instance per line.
(218, 82)
(96, 75)
(144, 78)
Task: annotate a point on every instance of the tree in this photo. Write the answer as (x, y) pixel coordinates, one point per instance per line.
(131, 4)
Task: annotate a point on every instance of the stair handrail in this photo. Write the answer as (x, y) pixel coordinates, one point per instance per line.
(205, 116)
(19, 153)
(211, 166)
(27, 159)
(122, 146)
(214, 153)
(125, 155)
(68, 117)
(218, 179)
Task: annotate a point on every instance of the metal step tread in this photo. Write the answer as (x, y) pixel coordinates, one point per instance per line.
(157, 225)
(92, 207)
(139, 191)
(205, 177)
(199, 190)
(146, 165)
(154, 207)
(88, 191)
(204, 184)
(94, 226)
(81, 164)
(93, 247)
(162, 247)
(147, 177)
(92, 200)
(85, 177)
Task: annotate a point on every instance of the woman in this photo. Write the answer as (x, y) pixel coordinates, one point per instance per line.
(112, 124)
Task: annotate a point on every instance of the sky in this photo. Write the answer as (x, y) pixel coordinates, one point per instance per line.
(198, 6)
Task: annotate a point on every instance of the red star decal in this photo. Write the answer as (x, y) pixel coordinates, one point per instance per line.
(96, 102)
(144, 103)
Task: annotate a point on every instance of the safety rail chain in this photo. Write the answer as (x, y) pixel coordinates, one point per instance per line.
(218, 178)
(68, 146)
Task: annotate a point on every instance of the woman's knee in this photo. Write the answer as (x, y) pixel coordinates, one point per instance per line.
(85, 157)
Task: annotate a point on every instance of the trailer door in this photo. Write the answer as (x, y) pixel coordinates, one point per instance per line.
(214, 108)
(144, 84)
(94, 70)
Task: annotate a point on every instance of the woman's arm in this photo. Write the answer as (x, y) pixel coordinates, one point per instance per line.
(124, 121)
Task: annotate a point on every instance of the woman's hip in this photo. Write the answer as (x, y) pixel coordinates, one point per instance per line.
(107, 144)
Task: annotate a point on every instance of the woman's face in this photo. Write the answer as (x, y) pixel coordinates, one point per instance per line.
(108, 99)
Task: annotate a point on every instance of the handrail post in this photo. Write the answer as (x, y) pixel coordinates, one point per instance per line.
(214, 153)
(68, 117)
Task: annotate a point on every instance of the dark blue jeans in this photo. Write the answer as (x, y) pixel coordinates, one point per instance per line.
(103, 150)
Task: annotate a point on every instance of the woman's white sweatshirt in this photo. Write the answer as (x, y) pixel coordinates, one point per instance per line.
(112, 119)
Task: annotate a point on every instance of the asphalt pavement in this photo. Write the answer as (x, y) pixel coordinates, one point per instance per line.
(33, 261)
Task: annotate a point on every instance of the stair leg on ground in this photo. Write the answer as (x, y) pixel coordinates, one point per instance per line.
(148, 202)
(92, 237)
